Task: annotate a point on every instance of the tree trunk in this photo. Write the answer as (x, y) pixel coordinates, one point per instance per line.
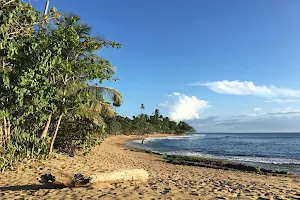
(1, 135)
(45, 131)
(8, 133)
(45, 11)
(46, 7)
(59, 119)
(5, 130)
(54, 136)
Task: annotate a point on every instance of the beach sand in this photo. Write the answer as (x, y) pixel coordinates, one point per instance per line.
(166, 181)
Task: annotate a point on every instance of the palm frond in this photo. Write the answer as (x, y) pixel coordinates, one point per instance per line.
(106, 93)
(98, 39)
(82, 29)
(70, 18)
(98, 110)
(93, 113)
(104, 108)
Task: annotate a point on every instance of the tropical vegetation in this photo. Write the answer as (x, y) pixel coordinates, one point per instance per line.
(47, 61)
(144, 124)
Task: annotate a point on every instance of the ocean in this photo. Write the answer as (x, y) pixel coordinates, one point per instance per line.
(276, 151)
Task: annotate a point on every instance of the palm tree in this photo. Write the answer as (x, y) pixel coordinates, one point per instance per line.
(142, 107)
(79, 54)
(101, 96)
(156, 113)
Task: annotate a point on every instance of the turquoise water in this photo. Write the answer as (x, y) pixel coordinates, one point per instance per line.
(280, 151)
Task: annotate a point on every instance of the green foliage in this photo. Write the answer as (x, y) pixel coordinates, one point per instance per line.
(29, 146)
(144, 124)
(45, 64)
(184, 127)
(78, 132)
(24, 145)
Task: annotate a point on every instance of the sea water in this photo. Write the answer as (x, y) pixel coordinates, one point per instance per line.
(276, 151)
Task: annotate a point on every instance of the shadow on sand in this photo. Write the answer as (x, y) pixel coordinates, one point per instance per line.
(31, 187)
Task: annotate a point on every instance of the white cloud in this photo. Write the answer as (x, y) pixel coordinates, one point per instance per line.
(163, 105)
(289, 110)
(248, 88)
(284, 120)
(282, 100)
(182, 107)
(265, 123)
(248, 115)
(257, 109)
(284, 112)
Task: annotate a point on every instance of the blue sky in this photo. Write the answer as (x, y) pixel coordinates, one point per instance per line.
(177, 55)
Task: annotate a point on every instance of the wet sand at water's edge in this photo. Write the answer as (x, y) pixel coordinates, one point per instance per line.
(166, 181)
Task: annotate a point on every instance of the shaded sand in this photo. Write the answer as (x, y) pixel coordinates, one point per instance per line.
(166, 181)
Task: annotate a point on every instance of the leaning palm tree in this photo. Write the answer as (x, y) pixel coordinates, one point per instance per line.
(100, 106)
(100, 96)
(81, 55)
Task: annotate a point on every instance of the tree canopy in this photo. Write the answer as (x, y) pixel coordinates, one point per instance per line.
(144, 124)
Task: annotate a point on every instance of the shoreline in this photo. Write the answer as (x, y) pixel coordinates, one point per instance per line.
(166, 181)
(208, 162)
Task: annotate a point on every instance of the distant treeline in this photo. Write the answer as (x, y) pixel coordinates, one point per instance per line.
(144, 124)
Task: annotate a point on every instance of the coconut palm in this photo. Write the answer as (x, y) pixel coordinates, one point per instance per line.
(142, 107)
(101, 97)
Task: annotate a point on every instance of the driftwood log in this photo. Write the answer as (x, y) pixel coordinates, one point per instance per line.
(119, 176)
(81, 180)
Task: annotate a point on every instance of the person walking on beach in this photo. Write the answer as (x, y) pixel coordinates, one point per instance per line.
(144, 139)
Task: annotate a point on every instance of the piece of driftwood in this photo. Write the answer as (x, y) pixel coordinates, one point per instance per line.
(119, 176)
(81, 180)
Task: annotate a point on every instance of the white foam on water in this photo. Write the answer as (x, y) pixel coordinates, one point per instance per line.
(239, 158)
(257, 159)
(192, 136)
(266, 160)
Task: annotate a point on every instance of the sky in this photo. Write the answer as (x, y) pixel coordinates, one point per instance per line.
(222, 66)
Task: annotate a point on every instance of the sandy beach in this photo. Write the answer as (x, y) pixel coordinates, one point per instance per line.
(166, 181)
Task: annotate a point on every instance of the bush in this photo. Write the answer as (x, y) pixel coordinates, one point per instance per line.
(78, 133)
(24, 145)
